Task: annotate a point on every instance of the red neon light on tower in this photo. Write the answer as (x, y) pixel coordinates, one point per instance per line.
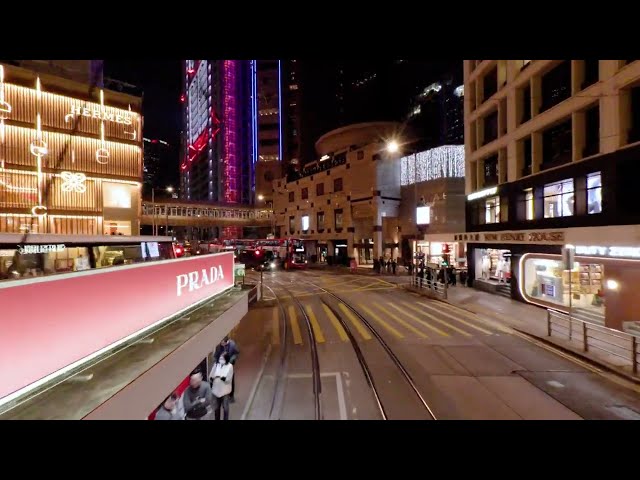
(230, 151)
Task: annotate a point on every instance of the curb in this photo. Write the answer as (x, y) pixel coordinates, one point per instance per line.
(566, 349)
(588, 359)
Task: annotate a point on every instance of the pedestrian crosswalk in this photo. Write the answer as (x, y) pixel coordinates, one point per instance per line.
(398, 319)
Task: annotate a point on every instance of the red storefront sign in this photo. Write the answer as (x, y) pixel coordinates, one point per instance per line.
(51, 323)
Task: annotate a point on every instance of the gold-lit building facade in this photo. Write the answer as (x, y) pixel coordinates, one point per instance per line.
(57, 180)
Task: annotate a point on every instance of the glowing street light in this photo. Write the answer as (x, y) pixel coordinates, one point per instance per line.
(392, 146)
(260, 197)
(170, 189)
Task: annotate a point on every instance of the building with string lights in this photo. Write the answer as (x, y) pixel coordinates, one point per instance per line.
(70, 156)
(220, 132)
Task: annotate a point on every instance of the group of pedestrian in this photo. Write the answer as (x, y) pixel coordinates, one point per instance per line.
(201, 398)
(441, 275)
(382, 266)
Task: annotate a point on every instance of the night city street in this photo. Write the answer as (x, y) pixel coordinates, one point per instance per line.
(328, 239)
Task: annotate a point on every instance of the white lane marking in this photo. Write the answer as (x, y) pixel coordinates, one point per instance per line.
(342, 404)
(146, 341)
(555, 384)
(256, 382)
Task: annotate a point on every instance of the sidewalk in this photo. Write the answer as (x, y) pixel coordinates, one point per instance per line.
(528, 319)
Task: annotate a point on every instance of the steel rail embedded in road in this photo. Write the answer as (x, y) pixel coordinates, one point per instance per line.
(283, 354)
(394, 358)
(315, 362)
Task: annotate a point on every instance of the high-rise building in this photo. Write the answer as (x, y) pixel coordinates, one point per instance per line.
(436, 114)
(339, 93)
(158, 166)
(220, 131)
(278, 123)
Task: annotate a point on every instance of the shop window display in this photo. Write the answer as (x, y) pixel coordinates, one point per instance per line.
(492, 210)
(594, 193)
(544, 279)
(559, 199)
(492, 264)
(13, 267)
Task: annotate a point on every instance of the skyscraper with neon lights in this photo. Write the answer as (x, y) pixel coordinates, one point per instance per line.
(220, 131)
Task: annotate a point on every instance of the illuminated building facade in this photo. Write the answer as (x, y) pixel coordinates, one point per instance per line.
(552, 161)
(57, 180)
(220, 131)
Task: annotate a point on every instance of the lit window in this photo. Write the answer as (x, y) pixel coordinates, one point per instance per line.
(305, 222)
(594, 193)
(492, 210)
(529, 204)
(559, 199)
(117, 195)
(293, 87)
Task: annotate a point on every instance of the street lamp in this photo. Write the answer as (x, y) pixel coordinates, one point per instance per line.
(260, 197)
(153, 202)
(392, 146)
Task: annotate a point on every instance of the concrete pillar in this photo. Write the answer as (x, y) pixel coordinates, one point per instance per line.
(536, 148)
(578, 120)
(615, 111)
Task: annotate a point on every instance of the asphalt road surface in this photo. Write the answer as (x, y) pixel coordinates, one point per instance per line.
(385, 353)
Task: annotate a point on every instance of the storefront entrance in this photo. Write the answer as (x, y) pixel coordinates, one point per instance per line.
(493, 265)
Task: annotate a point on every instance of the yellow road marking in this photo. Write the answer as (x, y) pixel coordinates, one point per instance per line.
(419, 320)
(295, 327)
(402, 322)
(275, 328)
(381, 321)
(356, 322)
(336, 324)
(474, 316)
(315, 325)
(446, 324)
(480, 329)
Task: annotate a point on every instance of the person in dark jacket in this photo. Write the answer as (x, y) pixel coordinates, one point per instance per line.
(197, 398)
(229, 347)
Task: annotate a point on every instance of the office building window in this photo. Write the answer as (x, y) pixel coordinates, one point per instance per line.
(338, 218)
(492, 210)
(337, 185)
(292, 196)
(319, 189)
(528, 203)
(594, 193)
(320, 220)
(304, 193)
(292, 224)
(559, 199)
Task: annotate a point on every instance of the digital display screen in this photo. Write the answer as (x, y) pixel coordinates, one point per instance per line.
(198, 102)
(423, 215)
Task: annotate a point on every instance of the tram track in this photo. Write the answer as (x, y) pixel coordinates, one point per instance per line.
(369, 374)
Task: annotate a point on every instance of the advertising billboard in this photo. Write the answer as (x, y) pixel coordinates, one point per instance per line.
(52, 324)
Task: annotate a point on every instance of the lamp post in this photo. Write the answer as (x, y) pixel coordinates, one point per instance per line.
(153, 202)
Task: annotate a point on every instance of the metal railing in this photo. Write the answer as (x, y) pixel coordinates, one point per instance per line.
(227, 213)
(433, 287)
(593, 337)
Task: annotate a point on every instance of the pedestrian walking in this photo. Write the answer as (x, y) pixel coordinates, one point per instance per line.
(221, 378)
(197, 398)
(394, 265)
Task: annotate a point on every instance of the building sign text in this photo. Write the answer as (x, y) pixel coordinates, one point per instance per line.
(30, 249)
(618, 252)
(77, 110)
(525, 237)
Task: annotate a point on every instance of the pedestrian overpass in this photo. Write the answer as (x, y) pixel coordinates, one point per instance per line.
(182, 213)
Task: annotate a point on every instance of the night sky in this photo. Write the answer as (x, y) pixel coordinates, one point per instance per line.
(160, 82)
